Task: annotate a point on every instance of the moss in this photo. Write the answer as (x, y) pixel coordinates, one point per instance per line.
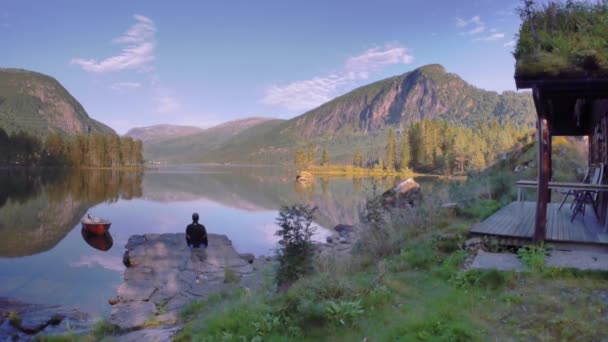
(563, 39)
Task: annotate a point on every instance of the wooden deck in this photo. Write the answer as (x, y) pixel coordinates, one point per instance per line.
(516, 221)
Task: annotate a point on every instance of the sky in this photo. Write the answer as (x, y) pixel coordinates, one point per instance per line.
(139, 63)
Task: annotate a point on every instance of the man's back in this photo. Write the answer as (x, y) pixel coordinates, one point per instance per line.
(196, 234)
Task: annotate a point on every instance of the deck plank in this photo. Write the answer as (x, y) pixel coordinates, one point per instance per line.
(517, 220)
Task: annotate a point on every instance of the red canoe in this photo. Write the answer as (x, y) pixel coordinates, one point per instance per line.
(95, 225)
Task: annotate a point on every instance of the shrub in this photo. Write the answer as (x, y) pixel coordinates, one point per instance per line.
(533, 257)
(103, 328)
(14, 319)
(447, 243)
(487, 279)
(344, 312)
(419, 256)
(296, 249)
(230, 276)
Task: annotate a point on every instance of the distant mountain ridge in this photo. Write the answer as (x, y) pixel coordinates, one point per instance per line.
(428, 92)
(357, 120)
(188, 148)
(38, 104)
(162, 132)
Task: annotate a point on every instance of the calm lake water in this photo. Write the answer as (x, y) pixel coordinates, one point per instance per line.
(45, 258)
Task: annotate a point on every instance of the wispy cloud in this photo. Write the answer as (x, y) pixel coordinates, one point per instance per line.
(139, 45)
(167, 104)
(111, 263)
(125, 85)
(509, 43)
(492, 37)
(471, 26)
(307, 94)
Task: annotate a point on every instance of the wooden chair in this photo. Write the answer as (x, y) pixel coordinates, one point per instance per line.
(583, 198)
(574, 193)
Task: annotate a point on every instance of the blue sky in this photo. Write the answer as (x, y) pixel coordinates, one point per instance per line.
(138, 63)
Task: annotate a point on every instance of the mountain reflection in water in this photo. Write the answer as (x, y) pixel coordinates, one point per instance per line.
(43, 258)
(38, 208)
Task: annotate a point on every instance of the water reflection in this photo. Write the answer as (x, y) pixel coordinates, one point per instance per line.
(102, 242)
(38, 208)
(40, 213)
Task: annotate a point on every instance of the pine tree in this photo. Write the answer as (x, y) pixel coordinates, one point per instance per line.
(325, 158)
(300, 159)
(404, 163)
(4, 147)
(310, 155)
(390, 150)
(358, 159)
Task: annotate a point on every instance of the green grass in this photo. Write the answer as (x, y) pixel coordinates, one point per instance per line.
(563, 38)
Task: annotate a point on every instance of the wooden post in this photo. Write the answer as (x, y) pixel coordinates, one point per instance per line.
(544, 171)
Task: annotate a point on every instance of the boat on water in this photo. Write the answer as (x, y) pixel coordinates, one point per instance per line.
(101, 242)
(95, 225)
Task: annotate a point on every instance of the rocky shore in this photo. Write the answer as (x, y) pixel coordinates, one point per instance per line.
(160, 279)
(21, 321)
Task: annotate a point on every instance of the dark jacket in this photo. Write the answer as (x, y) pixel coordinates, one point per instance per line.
(196, 234)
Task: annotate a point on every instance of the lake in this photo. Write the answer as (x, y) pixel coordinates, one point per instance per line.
(45, 257)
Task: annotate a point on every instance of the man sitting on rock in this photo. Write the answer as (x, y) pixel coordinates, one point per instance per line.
(196, 237)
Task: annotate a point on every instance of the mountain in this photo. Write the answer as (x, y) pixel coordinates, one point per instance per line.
(156, 133)
(359, 119)
(190, 148)
(428, 92)
(39, 104)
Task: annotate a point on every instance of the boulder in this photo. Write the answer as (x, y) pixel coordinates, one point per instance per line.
(406, 193)
(163, 275)
(305, 177)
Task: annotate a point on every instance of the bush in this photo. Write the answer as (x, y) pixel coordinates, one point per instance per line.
(487, 279)
(344, 312)
(419, 256)
(296, 250)
(230, 276)
(533, 257)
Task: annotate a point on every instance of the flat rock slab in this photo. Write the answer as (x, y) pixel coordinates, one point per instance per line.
(581, 260)
(153, 334)
(161, 276)
(497, 261)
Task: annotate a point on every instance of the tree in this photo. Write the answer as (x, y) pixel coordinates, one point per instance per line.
(415, 142)
(310, 155)
(390, 150)
(295, 252)
(54, 147)
(4, 147)
(300, 159)
(404, 163)
(358, 159)
(325, 158)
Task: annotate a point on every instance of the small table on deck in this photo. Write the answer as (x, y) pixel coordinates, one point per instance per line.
(559, 185)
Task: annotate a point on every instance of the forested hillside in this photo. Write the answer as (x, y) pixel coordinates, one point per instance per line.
(440, 124)
(82, 150)
(428, 92)
(38, 104)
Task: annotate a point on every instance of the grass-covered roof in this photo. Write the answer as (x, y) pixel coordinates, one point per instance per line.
(563, 40)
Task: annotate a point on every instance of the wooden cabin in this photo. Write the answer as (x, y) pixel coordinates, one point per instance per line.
(565, 107)
(569, 83)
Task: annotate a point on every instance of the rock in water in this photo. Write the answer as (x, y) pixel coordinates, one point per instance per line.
(161, 277)
(305, 177)
(407, 193)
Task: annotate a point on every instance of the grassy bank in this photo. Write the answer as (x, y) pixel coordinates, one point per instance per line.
(349, 170)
